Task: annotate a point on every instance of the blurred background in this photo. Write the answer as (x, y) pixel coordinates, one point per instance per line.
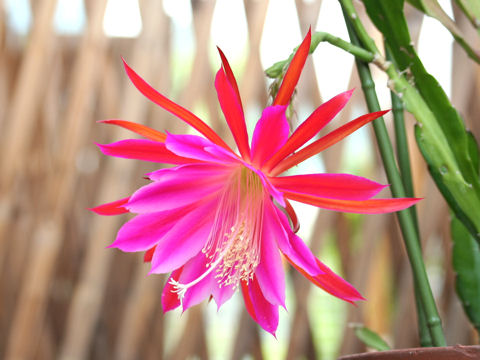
(63, 295)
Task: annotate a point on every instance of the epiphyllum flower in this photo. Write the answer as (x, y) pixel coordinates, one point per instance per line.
(220, 221)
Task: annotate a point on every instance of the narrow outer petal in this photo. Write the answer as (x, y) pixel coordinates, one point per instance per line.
(232, 109)
(112, 208)
(146, 150)
(372, 206)
(332, 283)
(230, 76)
(325, 142)
(332, 186)
(139, 129)
(293, 72)
(270, 134)
(172, 107)
(310, 127)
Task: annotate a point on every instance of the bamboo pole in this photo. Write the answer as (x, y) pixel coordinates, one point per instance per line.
(145, 291)
(35, 288)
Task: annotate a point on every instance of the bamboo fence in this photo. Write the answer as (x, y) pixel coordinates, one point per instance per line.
(64, 296)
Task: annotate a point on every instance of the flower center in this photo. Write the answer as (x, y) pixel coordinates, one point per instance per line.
(233, 246)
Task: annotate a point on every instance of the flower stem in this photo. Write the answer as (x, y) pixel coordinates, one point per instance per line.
(405, 217)
(277, 69)
(406, 175)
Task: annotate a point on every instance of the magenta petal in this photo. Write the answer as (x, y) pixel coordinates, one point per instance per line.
(266, 314)
(222, 294)
(189, 171)
(200, 291)
(184, 240)
(277, 195)
(176, 190)
(194, 147)
(232, 109)
(290, 244)
(145, 230)
(269, 272)
(146, 150)
(170, 298)
(331, 186)
(270, 134)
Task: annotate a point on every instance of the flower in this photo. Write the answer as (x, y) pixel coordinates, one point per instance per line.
(219, 221)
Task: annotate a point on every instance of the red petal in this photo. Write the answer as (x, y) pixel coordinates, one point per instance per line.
(230, 76)
(146, 150)
(331, 283)
(293, 216)
(112, 208)
(293, 73)
(170, 299)
(373, 206)
(248, 300)
(172, 107)
(310, 127)
(147, 257)
(139, 129)
(325, 142)
(232, 109)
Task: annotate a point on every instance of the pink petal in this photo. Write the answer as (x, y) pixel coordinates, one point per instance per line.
(146, 150)
(264, 313)
(324, 142)
(145, 230)
(332, 283)
(173, 108)
(332, 186)
(233, 112)
(271, 133)
(277, 195)
(140, 129)
(222, 294)
(269, 272)
(188, 171)
(372, 206)
(176, 191)
(112, 208)
(170, 298)
(289, 244)
(185, 240)
(198, 148)
(293, 72)
(200, 291)
(310, 127)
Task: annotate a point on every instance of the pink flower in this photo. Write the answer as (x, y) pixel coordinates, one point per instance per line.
(220, 221)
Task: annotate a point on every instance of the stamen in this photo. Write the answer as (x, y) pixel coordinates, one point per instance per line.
(233, 246)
